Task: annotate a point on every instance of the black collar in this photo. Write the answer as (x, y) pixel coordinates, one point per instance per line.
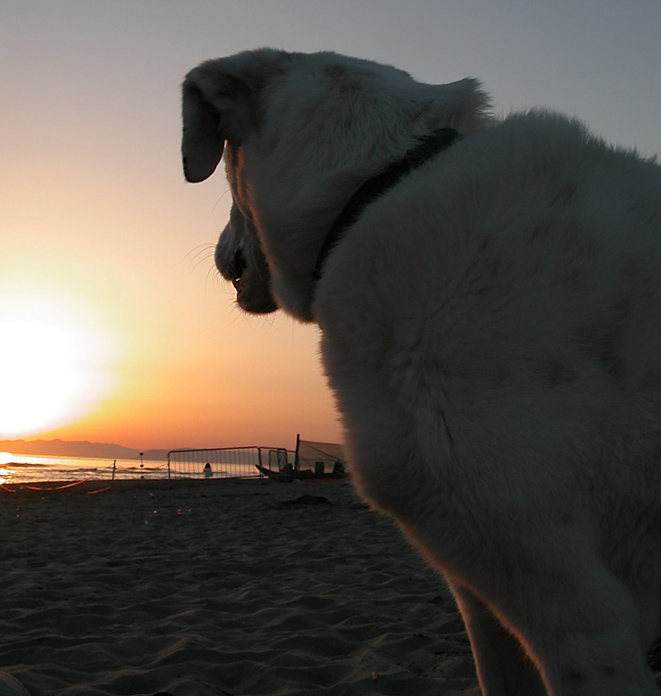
(430, 145)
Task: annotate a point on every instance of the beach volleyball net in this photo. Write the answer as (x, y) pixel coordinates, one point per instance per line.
(309, 460)
(222, 462)
(319, 458)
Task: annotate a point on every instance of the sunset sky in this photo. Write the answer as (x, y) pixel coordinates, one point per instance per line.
(114, 326)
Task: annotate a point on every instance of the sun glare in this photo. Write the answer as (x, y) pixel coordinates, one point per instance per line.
(53, 362)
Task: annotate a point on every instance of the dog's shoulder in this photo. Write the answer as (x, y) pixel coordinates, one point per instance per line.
(541, 142)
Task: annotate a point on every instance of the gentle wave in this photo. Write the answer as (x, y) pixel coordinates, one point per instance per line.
(31, 469)
(20, 464)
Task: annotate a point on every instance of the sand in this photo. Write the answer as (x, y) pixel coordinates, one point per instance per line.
(200, 588)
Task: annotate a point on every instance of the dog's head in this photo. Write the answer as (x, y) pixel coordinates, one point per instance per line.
(299, 134)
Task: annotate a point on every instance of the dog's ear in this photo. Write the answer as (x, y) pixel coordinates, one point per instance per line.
(220, 99)
(202, 142)
(462, 105)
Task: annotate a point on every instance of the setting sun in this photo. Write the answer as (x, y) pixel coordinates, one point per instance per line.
(53, 362)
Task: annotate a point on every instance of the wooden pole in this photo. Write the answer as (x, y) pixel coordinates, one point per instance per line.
(296, 465)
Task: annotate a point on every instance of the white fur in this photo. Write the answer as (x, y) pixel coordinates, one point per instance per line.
(491, 328)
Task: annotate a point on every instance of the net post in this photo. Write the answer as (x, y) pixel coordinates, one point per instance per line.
(296, 462)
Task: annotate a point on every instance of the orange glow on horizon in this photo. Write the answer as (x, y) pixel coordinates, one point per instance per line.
(54, 360)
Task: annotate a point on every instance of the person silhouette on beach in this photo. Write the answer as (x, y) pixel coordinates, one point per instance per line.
(208, 473)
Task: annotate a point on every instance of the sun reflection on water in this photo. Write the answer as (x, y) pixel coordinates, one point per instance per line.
(5, 458)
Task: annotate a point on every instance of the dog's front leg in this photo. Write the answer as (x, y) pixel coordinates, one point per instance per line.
(580, 623)
(503, 667)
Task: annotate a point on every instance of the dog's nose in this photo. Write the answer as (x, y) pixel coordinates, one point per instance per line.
(233, 268)
(229, 263)
(238, 265)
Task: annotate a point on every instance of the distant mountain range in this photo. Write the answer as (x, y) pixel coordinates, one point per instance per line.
(62, 448)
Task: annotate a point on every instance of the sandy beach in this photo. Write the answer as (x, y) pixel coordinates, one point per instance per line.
(229, 588)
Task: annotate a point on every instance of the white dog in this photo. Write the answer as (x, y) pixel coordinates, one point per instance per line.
(489, 295)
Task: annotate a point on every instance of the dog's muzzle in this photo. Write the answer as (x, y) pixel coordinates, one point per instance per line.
(239, 259)
(235, 269)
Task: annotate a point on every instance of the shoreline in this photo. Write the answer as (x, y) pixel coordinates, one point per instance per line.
(200, 588)
(118, 485)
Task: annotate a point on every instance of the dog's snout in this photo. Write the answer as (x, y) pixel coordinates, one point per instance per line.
(230, 262)
(236, 268)
(230, 259)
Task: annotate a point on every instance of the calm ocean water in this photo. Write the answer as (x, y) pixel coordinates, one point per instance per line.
(32, 468)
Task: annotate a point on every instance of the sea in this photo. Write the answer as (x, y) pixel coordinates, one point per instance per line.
(16, 468)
